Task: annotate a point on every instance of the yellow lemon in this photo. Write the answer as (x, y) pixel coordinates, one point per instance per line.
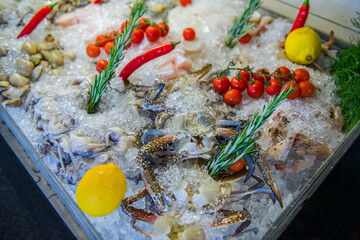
(303, 45)
(101, 190)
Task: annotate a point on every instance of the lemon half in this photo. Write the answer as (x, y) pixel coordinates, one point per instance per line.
(303, 45)
(101, 190)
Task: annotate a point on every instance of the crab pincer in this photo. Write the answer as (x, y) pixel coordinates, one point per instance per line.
(147, 174)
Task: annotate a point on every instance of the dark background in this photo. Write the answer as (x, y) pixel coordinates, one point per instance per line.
(333, 212)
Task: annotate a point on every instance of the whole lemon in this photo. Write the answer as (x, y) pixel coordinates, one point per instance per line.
(303, 45)
(101, 190)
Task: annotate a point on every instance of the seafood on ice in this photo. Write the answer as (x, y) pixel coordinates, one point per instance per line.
(163, 124)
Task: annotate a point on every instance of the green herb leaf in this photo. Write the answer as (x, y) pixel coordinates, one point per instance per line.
(241, 24)
(244, 142)
(115, 57)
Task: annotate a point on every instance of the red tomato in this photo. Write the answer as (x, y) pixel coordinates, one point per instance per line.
(101, 65)
(301, 74)
(164, 29)
(284, 74)
(233, 97)
(122, 27)
(256, 90)
(144, 23)
(185, 2)
(239, 84)
(112, 35)
(238, 165)
(153, 33)
(262, 71)
(296, 93)
(221, 85)
(245, 39)
(108, 46)
(307, 89)
(244, 74)
(137, 36)
(92, 50)
(274, 87)
(101, 40)
(189, 34)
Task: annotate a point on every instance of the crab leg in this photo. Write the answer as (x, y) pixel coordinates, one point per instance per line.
(231, 217)
(147, 174)
(138, 214)
(229, 123)
(262, 164)
(268, 177)
(257, 188)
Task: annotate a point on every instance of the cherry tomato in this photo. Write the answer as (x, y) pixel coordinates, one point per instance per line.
(108, 46)
(307, 89)
(239, 84)
(296, 93)
(92, 50)
(101, 40)
(221, 85)
(164, 29)
(233, 97)
(112, 35)
(122, 27)
(153, 33)
(301, 74)
(245, 74)
(284, 74)
(245, 39)
(137, 36)
(262, 71)
(101, 65)
(274, 87)
(189, 34)
(238, 165)
(185, 2)
(144, 23)
(256, 90)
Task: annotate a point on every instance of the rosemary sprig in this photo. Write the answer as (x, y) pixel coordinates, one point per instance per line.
(244, 142)
(115, 57)
(241, 24)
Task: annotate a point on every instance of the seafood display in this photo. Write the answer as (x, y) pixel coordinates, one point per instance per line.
(160, 108)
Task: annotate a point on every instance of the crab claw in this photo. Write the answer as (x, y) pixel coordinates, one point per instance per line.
(155, 91)
(251, 163)
(257, 188)
(268, 177)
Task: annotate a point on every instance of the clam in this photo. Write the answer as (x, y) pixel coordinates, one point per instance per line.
(56, 72)
(43, 46)
(3, 51)
(70, 54)
(12, 103)
(24, 67)
(14, 93)
(49, 38)
(37, 72)
(18, 80)
(36, 58)
(29, 48)
(4, 85)
(56, 58)
(4, 77)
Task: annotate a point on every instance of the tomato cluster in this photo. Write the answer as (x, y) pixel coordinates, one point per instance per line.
(256, 83)
(144, 27)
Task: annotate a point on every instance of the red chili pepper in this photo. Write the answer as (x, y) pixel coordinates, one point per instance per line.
(302, 16)
(145, 57)
(37, 18)
(95, 1)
